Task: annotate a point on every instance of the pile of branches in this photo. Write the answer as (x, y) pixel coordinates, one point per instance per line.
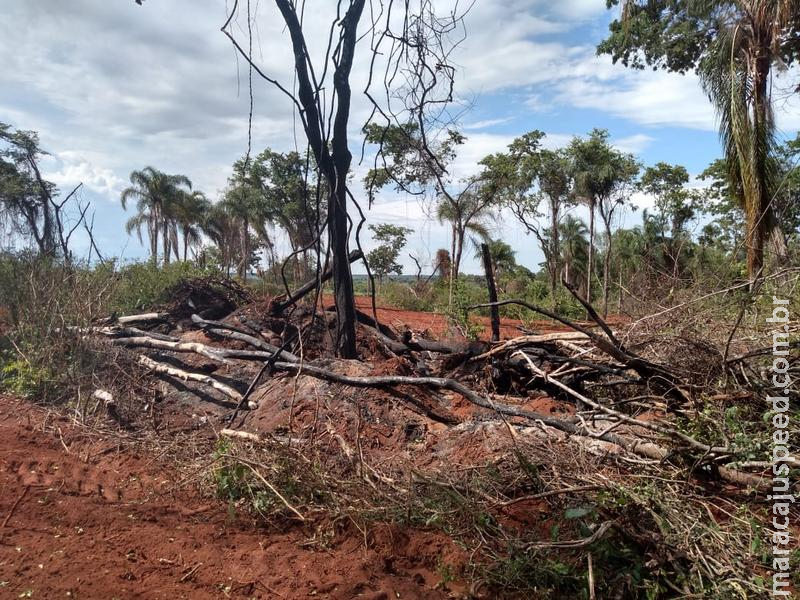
(589, 364)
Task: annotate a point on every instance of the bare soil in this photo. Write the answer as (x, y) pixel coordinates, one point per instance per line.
(437, 326)
(89, 517)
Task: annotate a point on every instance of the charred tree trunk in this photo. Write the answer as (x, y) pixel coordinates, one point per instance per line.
(332, 159)
(495, 311)
(555, 247)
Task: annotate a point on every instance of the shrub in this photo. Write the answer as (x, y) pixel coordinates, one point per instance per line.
(47, 302)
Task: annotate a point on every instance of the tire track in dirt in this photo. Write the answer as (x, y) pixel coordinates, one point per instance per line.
(114, 526)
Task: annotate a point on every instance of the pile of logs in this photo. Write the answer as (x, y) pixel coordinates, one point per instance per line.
(567, 364)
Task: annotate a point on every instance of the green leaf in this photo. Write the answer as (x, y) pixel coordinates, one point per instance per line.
(577, 513)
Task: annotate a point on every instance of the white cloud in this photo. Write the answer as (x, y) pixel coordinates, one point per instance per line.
(634, 144)
(486, 124)
(644, 97)
(73, 169)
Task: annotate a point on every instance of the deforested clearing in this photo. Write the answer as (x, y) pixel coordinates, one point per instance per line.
(380, 299)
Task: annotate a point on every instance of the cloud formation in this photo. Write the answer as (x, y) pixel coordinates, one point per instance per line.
(113, 87)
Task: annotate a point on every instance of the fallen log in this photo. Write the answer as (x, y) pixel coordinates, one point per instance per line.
(530, 340)
(217, 354)
(155, 316)
(225, 330)
(223, 355)
(422, 345)
(164, 369)
(242, 435)
(279, 306)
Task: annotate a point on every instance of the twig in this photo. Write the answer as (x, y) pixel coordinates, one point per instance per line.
(286, 503)
(574, 544)
(192, 572)
(16, 504)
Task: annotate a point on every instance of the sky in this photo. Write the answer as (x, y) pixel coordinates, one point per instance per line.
(113, 86)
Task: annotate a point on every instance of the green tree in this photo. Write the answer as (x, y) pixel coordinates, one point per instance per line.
(676, 204)
(733, 46)
(247, 205)
(415, 165)
(293, 199)
(604, 181)
(383, 259)
(222, 228)
(526, 177)
(189, 214)
(158, 197)
(25, 197)
(721, 202)
(574, 250)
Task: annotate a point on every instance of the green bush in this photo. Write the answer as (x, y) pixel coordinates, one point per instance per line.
(43, 301)
(142, 285)
(19, 377)
(409, 296)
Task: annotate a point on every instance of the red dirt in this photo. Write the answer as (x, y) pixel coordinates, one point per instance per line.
(437, 326)
(96, 520)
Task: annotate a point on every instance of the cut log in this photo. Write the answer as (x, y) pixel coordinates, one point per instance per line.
(142, 318)
(171, 371)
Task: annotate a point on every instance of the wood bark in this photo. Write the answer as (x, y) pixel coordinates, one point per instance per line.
(490, 284)
(332, 159)
(164, 369)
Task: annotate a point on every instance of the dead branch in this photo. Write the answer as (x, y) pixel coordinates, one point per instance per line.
(223, 355)
(188, 376)
(217, 354)
(279, 306)
(531, 340)
(661, 377)
(575, 544)
(223, 330)
(709, 450)
(141, 318)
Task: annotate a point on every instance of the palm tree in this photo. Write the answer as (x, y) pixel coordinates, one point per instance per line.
(733, 45)
(221, 227)
(736, 75)
(190, 211)
(574, 250)
(467, 213)
(157, 196)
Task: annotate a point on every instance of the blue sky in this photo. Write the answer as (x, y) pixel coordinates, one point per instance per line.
(112, 87)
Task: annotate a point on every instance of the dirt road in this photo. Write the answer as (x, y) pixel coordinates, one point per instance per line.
(86, 518)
